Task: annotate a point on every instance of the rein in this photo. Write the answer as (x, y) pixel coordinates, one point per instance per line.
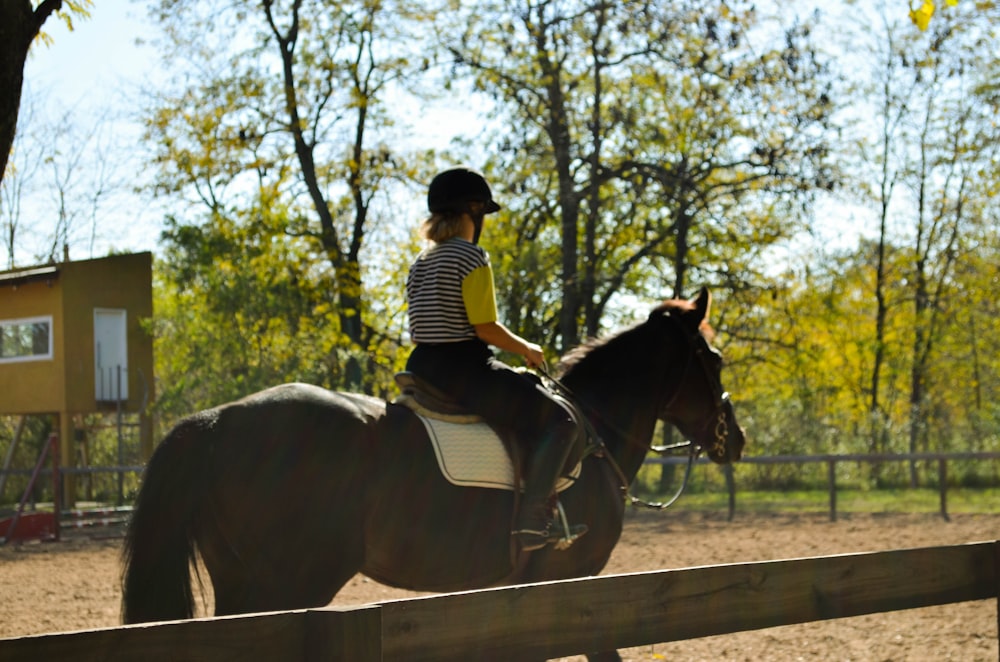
(721, 430)
(602, 450)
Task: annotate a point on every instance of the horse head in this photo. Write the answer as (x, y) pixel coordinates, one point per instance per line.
(696, 403)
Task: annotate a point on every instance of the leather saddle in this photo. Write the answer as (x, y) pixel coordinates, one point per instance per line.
(432, 402)
(427, 400)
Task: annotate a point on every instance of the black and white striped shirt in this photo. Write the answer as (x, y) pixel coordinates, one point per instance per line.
(449, 289)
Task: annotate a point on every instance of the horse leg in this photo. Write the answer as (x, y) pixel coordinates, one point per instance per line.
(242, 588)
(299, 568)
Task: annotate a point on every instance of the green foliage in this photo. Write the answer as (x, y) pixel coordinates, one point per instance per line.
(788, 482)
(240, 307)
(279, 147)
(815, 367)
(33, 439)
(642, 139)
(105, 440)
(817, 502)
(639, 150)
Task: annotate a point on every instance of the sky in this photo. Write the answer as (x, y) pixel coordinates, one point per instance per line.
(95, 71)
(101, 51)
(88, 73)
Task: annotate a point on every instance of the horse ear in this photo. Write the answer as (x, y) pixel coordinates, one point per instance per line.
(703, 303)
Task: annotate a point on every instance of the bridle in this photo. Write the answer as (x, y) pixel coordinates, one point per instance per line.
(718, 417)
(719, 397)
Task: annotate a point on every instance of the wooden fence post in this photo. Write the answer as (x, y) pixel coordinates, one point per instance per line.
(727, 470)
(831, 476)
(343, 635)
(996, 584)
(943, 487)
(56, 484)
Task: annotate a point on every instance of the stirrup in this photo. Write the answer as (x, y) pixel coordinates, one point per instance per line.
(561, 538)
(531, 539)
(571, 533)
(560, 534)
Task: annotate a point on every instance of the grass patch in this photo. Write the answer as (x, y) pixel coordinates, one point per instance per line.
(959, 501)
(706, 491)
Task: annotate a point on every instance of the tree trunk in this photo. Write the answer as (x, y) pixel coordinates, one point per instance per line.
(17, 29)
(19, 26)
(351, 301)
(878, 430)
(345, 264)
(558, 131)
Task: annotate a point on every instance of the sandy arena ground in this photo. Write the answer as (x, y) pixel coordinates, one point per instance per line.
(73, 585)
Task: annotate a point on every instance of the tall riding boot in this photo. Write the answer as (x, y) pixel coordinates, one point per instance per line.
(534, 520)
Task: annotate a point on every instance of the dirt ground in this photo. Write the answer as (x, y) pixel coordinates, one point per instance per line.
(73, 585)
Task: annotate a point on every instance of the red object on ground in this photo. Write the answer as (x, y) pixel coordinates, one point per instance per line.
(29, 526)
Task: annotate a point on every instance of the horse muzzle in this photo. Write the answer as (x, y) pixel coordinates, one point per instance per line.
(723, 439)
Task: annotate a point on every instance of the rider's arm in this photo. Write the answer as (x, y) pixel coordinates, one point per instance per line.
(496, 334)
(481, 308)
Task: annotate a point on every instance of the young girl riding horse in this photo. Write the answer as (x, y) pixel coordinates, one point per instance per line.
(453, 322)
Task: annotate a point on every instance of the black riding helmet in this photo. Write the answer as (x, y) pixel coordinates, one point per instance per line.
(452, 189)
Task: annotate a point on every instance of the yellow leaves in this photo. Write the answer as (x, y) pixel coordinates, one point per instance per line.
(922, 17)
(80, 8)
(65, 13)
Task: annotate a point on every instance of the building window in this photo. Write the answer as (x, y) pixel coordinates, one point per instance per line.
(28, 339)
(110, 354)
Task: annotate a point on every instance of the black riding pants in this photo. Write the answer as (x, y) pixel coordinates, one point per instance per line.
(470, 373)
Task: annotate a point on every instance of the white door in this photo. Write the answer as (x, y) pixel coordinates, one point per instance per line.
(110, 355)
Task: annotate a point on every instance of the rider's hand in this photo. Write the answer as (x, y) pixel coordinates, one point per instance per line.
(534, 356)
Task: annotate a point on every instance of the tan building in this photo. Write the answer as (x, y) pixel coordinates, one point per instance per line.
(72, 341)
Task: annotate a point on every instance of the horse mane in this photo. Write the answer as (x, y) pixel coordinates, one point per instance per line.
(574, 356)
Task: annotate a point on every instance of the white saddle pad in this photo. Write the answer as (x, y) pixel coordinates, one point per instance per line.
(472, 455)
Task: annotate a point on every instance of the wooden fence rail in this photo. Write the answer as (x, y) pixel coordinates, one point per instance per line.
(555, 619)
(831, 461)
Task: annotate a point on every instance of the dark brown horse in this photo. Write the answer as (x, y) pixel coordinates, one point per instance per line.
(288, 493)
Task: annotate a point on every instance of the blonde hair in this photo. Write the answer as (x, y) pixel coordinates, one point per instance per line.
(444, 225)
(441, 226)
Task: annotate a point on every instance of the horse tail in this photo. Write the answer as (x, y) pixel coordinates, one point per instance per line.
(159, 547)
